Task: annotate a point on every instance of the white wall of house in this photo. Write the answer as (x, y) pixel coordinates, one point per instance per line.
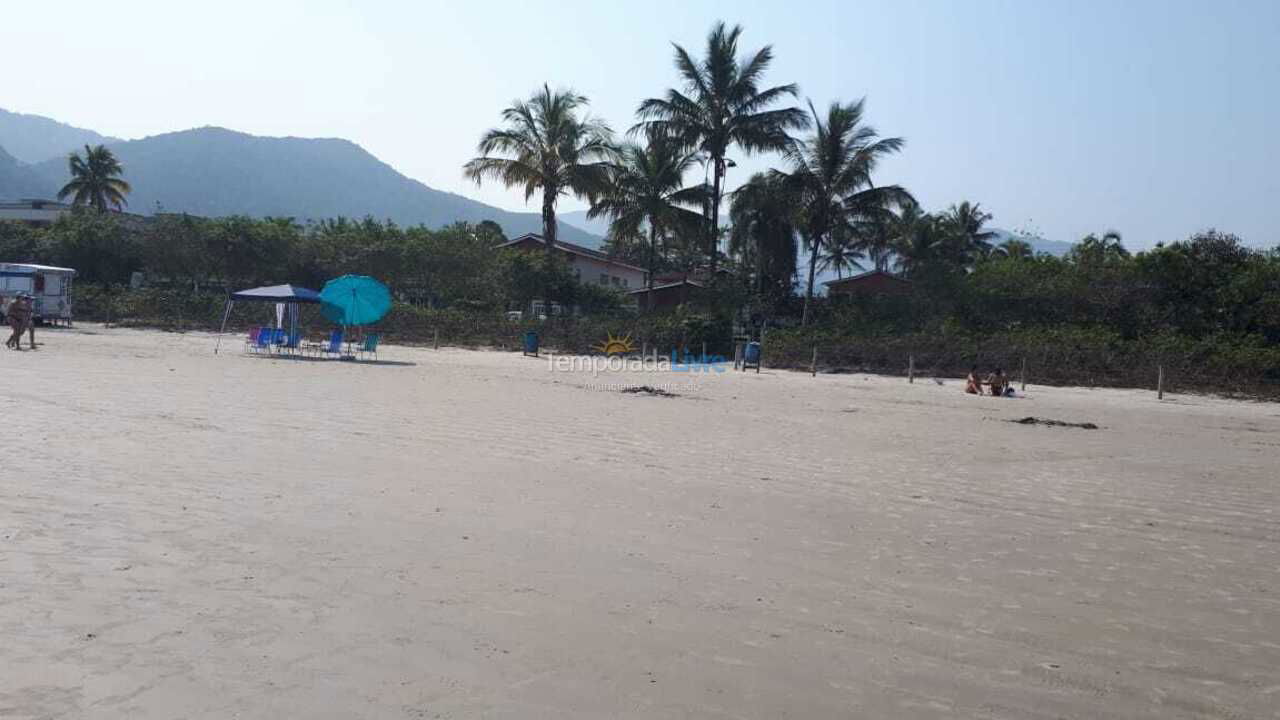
(600, 272)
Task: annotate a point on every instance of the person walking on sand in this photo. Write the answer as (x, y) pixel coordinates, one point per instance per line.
(19, 315)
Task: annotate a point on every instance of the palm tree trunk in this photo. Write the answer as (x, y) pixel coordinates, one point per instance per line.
(718, 179)
(549, 234)
(653, 243)
(808, 296)
(759, 264)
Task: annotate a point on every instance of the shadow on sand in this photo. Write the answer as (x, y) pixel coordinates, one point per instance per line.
(336, 361)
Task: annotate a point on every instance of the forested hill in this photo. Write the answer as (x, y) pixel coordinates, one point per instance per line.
(216, 172)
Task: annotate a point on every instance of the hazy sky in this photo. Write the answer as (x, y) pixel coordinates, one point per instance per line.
(1157, 119)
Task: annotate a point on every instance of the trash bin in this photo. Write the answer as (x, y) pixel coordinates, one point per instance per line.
(531, 342)
(752, 353)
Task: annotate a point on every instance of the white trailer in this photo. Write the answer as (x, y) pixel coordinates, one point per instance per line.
(50, 286)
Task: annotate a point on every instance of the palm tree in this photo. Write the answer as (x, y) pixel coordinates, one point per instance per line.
(1015, 248)
(918, 241)
(648, 196)
(763, 230)
(722, 105)
(966, 220)
(95, 179)
(1108, 246)
(545, 146)
(831, 174)
(841, 253)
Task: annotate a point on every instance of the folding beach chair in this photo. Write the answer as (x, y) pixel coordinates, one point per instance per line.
(262, 343)
(251, 342)
(291, 342)
(369, 346)
(332, 347)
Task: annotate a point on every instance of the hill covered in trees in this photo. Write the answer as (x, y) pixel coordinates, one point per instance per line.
(215, 172)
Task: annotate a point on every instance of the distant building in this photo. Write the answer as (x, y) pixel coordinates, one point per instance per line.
(875, 282)
(33, 211)
(591, 266)
(667, 295)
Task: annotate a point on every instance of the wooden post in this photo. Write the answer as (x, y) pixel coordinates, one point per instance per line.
(1160, 382)
(1024, 373)
(737, 354)
(644, 349)
(436, 342)
(911, 369)
(704, 351)
(813, 364)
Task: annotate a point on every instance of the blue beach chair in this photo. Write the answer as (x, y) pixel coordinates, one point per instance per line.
(332, 347)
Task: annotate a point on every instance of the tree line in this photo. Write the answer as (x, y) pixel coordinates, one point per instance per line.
(458, 266)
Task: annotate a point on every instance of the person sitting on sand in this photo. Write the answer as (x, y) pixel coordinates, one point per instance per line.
(972, 384)
(19, 315)
(998, 382)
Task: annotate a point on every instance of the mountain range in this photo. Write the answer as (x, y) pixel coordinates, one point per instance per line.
(33, 138)
(213, 171)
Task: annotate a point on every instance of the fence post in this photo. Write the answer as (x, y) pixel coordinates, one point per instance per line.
(813, 364)
(1024, 373)
(704, 351)
(1160, 382)
(436, 341)
(911, 369)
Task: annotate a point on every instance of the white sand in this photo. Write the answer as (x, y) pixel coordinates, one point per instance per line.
(471, 535)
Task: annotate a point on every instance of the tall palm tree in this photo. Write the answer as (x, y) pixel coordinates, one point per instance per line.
(831, 173)
(722, 105)
(95, 179)
(763, 229)
(546, 146)
(648, 196)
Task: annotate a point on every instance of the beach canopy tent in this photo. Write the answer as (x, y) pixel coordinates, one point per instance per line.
(286, 298)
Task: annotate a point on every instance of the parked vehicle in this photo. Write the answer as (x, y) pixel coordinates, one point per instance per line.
(50, 286)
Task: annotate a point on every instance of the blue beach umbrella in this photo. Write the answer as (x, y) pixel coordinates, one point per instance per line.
(354, 300)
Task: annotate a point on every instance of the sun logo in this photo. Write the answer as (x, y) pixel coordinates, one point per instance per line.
(615, 346)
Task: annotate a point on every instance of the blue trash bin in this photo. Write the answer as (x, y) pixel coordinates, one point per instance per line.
(752, 353)
(531, 342)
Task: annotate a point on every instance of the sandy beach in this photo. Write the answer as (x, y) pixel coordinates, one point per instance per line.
(472, 534)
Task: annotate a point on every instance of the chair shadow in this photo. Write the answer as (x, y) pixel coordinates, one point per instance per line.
(388, 363)
(343, 360)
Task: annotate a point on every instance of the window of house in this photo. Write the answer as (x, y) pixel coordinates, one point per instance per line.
(604, 279)
(617, 281)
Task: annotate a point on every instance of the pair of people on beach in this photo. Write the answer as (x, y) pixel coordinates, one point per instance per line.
(997, 381)
(20, 315)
